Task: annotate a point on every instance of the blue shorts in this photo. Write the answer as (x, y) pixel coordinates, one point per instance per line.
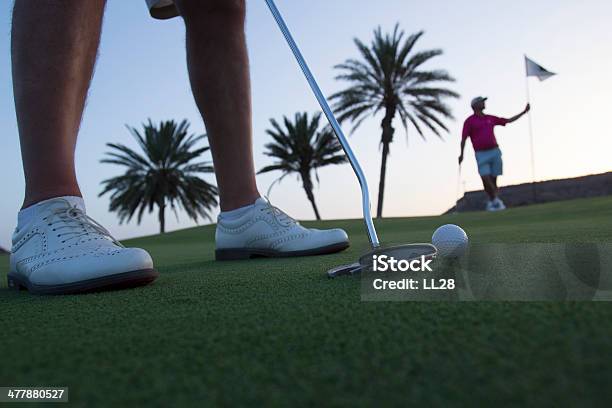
(490, 162)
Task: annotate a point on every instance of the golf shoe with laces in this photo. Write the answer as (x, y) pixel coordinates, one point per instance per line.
(499, 204)
(266, 231)
(62, 251)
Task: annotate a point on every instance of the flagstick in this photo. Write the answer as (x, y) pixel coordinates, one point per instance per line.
(533, 179)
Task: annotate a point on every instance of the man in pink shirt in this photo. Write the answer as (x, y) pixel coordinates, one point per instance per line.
(479, 128)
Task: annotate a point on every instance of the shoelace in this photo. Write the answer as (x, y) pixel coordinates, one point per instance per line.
(80, 224)
(278, 214)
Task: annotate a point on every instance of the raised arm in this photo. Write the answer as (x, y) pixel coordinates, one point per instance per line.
(517, 117)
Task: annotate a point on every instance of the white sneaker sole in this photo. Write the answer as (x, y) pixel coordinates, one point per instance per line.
(112, 282)
(234, 254)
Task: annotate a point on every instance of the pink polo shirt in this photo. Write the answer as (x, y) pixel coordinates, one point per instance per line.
(480, 130)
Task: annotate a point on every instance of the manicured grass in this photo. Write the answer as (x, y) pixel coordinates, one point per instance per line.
(278, 332)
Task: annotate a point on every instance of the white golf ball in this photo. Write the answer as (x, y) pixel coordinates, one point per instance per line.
(450, 240)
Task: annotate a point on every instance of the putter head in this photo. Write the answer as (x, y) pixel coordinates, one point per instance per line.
(407, 252)
(342, 270)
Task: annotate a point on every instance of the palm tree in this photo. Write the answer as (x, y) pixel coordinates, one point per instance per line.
(301, 147)
(165, 175)
(389, 78)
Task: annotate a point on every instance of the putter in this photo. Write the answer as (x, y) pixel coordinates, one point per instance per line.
(457, 197)
(407, 251)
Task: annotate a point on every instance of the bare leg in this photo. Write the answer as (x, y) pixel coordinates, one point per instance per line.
(219, 71)
(489, 186)
(53, 48)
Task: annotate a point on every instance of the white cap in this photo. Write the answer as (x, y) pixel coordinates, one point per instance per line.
(478, 100)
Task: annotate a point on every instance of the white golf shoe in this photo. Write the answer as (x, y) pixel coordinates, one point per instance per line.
(63, 251)
(499, 204)
(266, 231)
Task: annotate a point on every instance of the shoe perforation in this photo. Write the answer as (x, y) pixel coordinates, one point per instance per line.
(95, 252)
(289, 238)
(35, 231)
(248, 224)
(263, 237)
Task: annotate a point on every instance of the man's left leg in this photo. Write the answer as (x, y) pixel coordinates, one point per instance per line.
(497, 169)
(497, 202)
(218, 66)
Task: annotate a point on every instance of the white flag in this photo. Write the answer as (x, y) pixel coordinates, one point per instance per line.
(536, 70)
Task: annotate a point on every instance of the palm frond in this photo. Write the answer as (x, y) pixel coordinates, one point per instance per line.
(301, 146)
(389, 77)
(164, 173)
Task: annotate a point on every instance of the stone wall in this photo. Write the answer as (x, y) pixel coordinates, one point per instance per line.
(542, 192)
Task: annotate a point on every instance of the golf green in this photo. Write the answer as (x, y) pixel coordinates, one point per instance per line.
(278, 332)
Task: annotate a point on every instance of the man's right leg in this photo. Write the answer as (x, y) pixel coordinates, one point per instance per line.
(489, 187)
(54, 47)
(218, 67)
(219, 71)
(56, 247)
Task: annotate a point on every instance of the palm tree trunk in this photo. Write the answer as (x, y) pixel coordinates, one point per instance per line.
(381, 183)
(312, 201)
(387, 137)
(162, 218)
(308, 189)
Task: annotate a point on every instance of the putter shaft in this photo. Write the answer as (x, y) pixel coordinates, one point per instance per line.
(365, 193)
